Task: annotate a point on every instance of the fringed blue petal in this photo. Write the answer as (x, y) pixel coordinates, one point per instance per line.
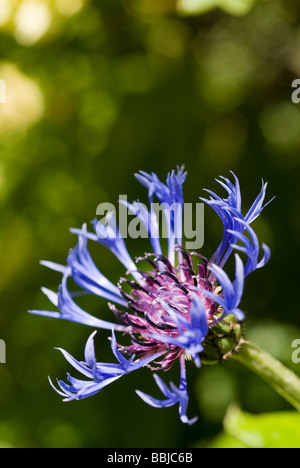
(173, 395)
(232, 293)
(251, 248)
(109, 235)
(148, 220)
(170, 194)
(69, 310)
(229, 210)
(86, 274)
(258, 205)
(100, 374)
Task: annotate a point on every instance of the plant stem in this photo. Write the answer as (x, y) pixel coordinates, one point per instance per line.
(282, 379)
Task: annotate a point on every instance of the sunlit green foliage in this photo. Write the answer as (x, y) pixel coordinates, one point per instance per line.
(270, 430)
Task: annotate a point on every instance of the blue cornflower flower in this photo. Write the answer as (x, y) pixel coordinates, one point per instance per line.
(173, 306)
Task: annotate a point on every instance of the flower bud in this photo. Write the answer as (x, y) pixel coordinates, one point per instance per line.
(221, 341)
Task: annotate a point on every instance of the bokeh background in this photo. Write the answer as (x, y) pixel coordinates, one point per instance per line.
(97, 90)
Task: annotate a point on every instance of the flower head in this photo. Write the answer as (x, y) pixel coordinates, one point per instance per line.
(168, 305)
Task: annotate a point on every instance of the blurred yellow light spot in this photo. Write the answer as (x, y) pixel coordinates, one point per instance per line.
(32, 21)
(280, 124)
(5, 11)
(234, 7)
(68, 7)
(195, 7)
(237, 7)
(2, 92)
(24, 101)
(221, 83)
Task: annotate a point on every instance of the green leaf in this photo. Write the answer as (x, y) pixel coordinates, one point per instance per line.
(226, 441)
(270, 430)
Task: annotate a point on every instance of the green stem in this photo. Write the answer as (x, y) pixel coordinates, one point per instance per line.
(283, 380)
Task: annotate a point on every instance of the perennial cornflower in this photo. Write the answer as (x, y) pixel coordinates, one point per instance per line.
(177, 306)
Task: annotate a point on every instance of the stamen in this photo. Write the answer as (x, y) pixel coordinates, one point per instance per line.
(159, 327)
(170, 275)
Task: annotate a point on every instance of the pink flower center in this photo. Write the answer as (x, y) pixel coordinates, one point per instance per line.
(164, 293)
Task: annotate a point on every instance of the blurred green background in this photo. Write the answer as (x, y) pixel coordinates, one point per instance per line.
(97, 90)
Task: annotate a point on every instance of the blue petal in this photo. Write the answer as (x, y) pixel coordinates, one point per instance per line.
(54, 266)
(123, 361)
(86, 274)
(231, 292)
(91, 388)
(79, 366)
(226, 284)
(52, 296)
(266, 257)
(89, 352)
(171, 197)
(229, 210)
(112, 239)
(239, 281)
(191, 334)
(163, 386)
(154, 402)
(258, 205)
(100, 374)
(148, 220)
(251, 249)
(69, 310)
(174, 395)
(198, 315)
